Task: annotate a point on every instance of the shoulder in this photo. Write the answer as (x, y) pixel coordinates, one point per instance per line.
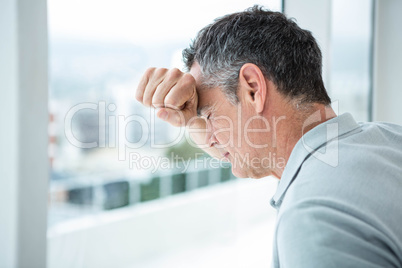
(336, 211)
(322, 233)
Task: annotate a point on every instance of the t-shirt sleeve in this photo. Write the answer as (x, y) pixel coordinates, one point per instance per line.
(315, 234)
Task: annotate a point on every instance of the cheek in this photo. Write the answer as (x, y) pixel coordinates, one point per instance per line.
(224, 138)
(224, 128)
(256, 133)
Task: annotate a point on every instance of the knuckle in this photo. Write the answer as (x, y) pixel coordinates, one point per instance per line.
(160, 72)
(188, 77)
(150, 71)
(174, 73)
(188, 80)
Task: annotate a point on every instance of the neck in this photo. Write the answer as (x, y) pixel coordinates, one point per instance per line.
(296, 123)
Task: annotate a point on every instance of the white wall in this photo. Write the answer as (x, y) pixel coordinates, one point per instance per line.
(23, 136)
(388, 61)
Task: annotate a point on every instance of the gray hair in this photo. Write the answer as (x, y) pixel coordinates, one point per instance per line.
(285, 53)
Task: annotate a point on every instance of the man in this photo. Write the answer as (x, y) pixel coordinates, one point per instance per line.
(254, 89)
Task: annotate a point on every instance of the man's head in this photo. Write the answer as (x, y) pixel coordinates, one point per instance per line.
(286, 54)
(251, 68)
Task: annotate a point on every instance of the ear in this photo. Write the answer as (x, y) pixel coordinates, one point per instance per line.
(253, 86)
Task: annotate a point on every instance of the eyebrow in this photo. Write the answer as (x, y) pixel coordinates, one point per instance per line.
(201, 110)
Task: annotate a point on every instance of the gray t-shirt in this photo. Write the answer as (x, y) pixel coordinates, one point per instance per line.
(339, 200)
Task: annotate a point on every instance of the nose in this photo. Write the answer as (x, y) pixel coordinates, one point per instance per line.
(212, 140)
(210, 136)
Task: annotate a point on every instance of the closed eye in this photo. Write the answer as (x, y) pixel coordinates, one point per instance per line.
(203, 110)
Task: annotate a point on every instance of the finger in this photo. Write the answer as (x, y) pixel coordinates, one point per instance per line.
(157, 77)
(173, 117)
(143, 83)
(181, 93)
(162, 90)
(171, 79)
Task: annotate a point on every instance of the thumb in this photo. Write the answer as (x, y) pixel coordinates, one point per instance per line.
(174, 117)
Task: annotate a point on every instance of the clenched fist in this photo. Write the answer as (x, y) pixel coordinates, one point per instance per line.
(172, 92)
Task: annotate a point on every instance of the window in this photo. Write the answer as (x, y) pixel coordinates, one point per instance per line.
(350, 58)
(343, 31)
(126, 188)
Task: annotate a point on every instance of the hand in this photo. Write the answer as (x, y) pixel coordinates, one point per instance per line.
(172, 92)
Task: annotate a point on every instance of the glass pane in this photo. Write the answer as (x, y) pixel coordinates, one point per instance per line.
(114, 162)
(350, 80)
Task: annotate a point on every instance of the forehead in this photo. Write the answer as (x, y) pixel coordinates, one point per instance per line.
(208, 98)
